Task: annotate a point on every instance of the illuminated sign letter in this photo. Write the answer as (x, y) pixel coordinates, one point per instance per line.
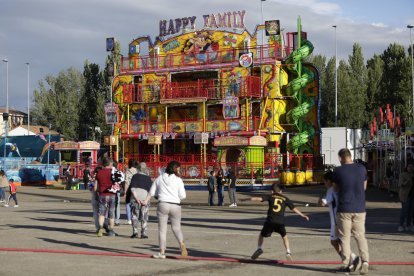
(177, 24)
(171, 28)
(192, 22)
(163, 27)
(206, 17)
(241, 14)
(222, 20)
(213, 23)
(229, 20)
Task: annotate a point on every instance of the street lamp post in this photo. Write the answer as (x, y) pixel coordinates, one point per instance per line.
(6, 115)
(261, 22)
(336, 80)
(48, 145)
(5, 119)
(28, 98)
(7, 84)
(412, 65)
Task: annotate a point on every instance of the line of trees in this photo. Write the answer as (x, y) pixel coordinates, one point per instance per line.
(363, 87)
(73, 102)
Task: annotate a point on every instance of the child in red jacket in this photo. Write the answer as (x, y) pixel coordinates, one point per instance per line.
(13, 193)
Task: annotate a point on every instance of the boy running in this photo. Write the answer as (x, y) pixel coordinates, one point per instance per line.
(13, 193)
(275, 221)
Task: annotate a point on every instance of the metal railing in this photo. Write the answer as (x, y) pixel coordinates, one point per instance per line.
(193, 166)
(203, 88)
(213, 59)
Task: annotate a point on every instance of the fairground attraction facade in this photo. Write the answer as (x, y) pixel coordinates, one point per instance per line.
(220, 96)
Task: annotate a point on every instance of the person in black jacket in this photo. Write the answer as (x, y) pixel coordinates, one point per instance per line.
(232, 188)
(212, 187)
(139, 211)
(220, 189)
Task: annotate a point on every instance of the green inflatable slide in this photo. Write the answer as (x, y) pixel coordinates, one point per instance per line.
(294, 88)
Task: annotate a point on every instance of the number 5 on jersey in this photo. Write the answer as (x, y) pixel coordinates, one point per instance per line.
(277, 205)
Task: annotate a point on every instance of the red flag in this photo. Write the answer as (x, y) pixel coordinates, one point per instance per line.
(381, 116)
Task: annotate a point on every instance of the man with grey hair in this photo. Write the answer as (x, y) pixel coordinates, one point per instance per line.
(138, 190)
(131, 171)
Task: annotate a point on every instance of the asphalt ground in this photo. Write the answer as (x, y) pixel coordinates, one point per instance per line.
(52, 233)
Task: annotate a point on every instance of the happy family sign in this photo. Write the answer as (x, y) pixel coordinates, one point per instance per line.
(221, 20)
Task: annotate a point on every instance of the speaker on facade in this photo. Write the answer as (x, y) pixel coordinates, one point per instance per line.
(110, 44)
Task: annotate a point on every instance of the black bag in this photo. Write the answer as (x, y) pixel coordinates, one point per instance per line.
(115, 188)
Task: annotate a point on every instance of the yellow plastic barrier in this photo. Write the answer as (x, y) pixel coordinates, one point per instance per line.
(309, 176)
(300, 178)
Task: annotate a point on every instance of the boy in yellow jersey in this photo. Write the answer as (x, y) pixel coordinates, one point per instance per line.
(275, 221)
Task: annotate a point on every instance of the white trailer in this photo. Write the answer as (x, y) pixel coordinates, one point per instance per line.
(336, 138)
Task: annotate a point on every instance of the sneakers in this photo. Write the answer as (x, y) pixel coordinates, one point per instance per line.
(144, 236)
(112, 233)
(356, 264)
(233, 205)
(159, 256)
(129, 222)
(184, 251)
(6, 205)
(400, 228)
(257, 253)
(16, 206)
(364, 268)
(100, 232)
(117, 224)
(289, 256)
(353, 257)
(134, 236)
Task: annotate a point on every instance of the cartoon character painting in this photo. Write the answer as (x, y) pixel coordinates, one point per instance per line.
(201, 46)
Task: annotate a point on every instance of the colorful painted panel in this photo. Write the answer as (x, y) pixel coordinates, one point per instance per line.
(194, 127)
(215, 126)
(178, 127)
(235, 125)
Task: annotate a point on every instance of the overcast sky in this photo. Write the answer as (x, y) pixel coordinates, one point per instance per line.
(54, 35)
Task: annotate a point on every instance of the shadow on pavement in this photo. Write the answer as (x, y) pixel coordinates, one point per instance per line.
(86, 246)
(51, 229)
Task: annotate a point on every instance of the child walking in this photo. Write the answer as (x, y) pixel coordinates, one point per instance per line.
(13, 193)
(331, 200)
(275, 221)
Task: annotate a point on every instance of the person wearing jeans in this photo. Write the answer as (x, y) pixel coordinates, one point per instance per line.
(168, 188)
(132, 170)
(4, 184)
(13, 194)
(212, 187)
(406, 184)
(350, 181)
(232, 188)
(103, 183)
(220, 189)
(139, 182)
